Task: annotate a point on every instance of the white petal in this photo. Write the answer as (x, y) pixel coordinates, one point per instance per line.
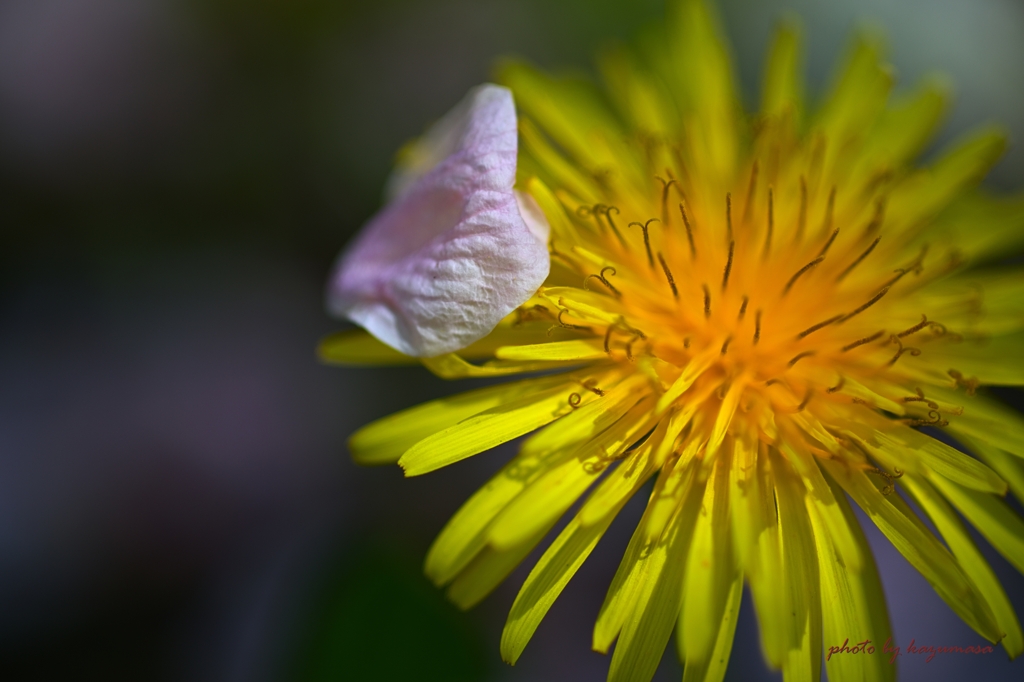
(485, 108)
(533, 216)
(440, 266)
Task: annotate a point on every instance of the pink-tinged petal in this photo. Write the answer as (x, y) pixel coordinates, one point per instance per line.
(452, 255)
(534, 217)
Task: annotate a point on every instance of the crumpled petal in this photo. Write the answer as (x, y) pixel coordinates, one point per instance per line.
(451, 255)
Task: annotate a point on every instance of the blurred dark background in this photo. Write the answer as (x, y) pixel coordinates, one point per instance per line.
(176, 176)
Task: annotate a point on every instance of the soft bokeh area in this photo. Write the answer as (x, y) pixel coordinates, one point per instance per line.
(176, 177)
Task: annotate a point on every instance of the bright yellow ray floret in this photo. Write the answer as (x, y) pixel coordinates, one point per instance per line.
(761, 314)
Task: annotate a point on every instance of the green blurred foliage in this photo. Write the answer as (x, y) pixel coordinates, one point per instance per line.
(377, 619)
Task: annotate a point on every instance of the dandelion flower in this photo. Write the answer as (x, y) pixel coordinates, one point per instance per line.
(763, 316)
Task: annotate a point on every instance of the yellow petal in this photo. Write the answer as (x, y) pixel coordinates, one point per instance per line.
(487, 570)
(917, 448)
(451, 366)
(783, 85)
(644, 105)
(1009, 468)
(563, 351)
(714, 667)
(852, 604)
(956, 301)
(763, 566)
(928, 191)
(552, 494)
(653, 607)
(820, 497)
(359, 347)
(974, 564)
(630, 474)
(641, 565)
(993, 518)
(705, 85)
(995, 361)
(562, 229)
(981, 227)
(858, 96)
(697, 366)
(385, 440)
(569, 110)
(465, 534)
(800, 592)
(711, 570)
(906, 127)
(985, 420)
(589, 419)
(547, 402)
(557, 170)
(915, 542)
(561, 561)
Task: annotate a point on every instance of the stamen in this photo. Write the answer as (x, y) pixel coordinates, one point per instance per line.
(647, 238)
(689, 232)
(743, 307)
(567, 325)
(748, 208)
(874, 299)
(728, 215)
(621, 324)
(802, 220)
(588, 211)
(629, 348)
(600, 176)
(916, 267)
(534, 312)
(807, 399)
(771, 224)
(838, 387)
(664, 199)
(861, 342)
(629, 328)
(913, 351)
(816, 327)
(877, 218)
(861, 257)
(831, 239)
(890, 483)
(574, 400)
(916, 328)
(877, 179)
(668, 276)
(557, 254)
(817, 157)
(728, 265)
(970, 384)
(608, 338)
(919, 398)
(707, 300)
(939, 329)
(757, 327)
(591, 385)
(829, 210)
(725, 346)
(800, 356)
(604, 280)
(608, 216)
(794, 278)
(934, 419)
(686, 342)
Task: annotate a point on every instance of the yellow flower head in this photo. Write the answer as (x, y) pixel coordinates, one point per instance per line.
(762, 314)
